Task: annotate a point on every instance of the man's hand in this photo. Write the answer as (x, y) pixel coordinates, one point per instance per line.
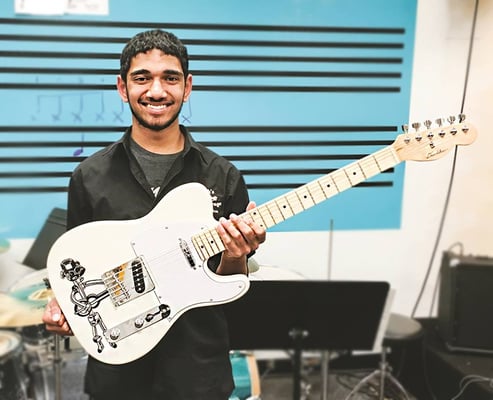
(55, 320)
(240, 236)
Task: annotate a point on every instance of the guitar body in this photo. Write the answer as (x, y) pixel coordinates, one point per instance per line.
(122, 284)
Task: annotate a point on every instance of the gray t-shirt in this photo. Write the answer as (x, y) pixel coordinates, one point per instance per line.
(155, 166)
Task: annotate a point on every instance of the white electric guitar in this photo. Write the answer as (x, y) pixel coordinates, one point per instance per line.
(122, 284)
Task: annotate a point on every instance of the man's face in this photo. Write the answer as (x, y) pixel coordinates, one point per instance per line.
(155, 89)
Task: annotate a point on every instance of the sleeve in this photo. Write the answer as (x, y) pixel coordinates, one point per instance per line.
(235, 201)
(237, 197)
(78, 206)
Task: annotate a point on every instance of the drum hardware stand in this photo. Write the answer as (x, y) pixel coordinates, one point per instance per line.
(297, 336)
(57, 360)
(325, 374)
(58, 369)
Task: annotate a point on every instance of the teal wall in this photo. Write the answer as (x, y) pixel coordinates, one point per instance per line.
(286, 89)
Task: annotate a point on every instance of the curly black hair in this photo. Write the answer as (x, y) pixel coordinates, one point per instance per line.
(165, 41)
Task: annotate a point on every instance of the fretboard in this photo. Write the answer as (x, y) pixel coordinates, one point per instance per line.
(208, 243)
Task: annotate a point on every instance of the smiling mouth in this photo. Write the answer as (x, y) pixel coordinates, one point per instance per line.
(157, 106)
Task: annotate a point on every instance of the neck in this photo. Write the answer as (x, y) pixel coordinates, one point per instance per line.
(166, 141)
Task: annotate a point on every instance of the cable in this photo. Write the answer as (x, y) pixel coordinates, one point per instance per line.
(452, 174)
(470, 379)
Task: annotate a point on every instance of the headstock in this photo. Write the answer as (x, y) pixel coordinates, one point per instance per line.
(435, 140)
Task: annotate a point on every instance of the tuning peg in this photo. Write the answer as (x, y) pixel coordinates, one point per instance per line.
(416, 126)
(405, 130)
(439, 122)
(462, 118)
(451, 120)
(427, 123)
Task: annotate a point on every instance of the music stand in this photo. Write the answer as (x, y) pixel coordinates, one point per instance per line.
(307, 315)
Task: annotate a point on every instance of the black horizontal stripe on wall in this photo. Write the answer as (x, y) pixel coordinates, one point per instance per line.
(59, 129)
(209, 42)
(275, 157)
(291, 128)
(36, 174)
(253, 143)
(241, 73)
(202, 26)
(301, 171)
(297, 185)
(34, 189)
(207, 128)
(246, 172)
(215, 88)
(196, 57)
(285, 186)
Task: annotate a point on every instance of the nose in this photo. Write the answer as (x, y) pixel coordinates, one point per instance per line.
(156, 90)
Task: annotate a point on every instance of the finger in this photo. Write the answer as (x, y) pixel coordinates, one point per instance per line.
(55, 320)
(251, 205)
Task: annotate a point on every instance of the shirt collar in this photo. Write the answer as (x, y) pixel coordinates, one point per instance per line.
(191, 146)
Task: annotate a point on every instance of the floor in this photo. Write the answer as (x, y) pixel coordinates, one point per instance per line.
(338, 386)
(275, 378)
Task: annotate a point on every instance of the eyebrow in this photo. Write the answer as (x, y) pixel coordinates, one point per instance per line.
(165, 72)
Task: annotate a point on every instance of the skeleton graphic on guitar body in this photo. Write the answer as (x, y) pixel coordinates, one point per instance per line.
(124, 283)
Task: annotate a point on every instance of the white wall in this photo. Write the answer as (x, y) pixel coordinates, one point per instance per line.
(402, 256)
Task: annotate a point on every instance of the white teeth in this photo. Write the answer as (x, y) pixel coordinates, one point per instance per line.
(160, 107)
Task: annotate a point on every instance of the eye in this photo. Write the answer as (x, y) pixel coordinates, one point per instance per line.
(140, 79)
(172, 78)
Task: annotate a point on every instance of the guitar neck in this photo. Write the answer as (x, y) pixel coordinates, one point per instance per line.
(208, 242)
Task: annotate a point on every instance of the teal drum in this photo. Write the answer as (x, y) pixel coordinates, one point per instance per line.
(246, 376)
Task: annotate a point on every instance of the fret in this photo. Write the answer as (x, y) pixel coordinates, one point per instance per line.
(354, 173)
(386, 158)
(284, 207)
(201, 246)
(294, 202)
(305, 197)
(213, 241)
(328, 186)
(266, 216)
(256, 217)
(341, 180)
(316, 192)
(370, 166)
(275, 212)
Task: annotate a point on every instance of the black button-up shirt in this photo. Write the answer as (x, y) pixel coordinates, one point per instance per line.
(110, 185)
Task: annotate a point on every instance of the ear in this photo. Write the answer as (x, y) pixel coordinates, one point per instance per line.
(122, 88)
(188, 87)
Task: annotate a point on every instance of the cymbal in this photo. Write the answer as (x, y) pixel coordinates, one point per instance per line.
(28, 280)
(24, 306)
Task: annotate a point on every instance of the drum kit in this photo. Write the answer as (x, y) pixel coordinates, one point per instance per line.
(30, 357)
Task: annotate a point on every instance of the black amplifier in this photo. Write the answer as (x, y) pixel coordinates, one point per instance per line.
(465, 305)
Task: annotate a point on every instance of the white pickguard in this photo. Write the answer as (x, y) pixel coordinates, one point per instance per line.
(104, 245)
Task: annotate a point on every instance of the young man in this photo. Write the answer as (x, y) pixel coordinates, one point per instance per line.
(125, 181)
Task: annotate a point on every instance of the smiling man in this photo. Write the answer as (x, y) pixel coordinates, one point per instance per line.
(125, 181)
